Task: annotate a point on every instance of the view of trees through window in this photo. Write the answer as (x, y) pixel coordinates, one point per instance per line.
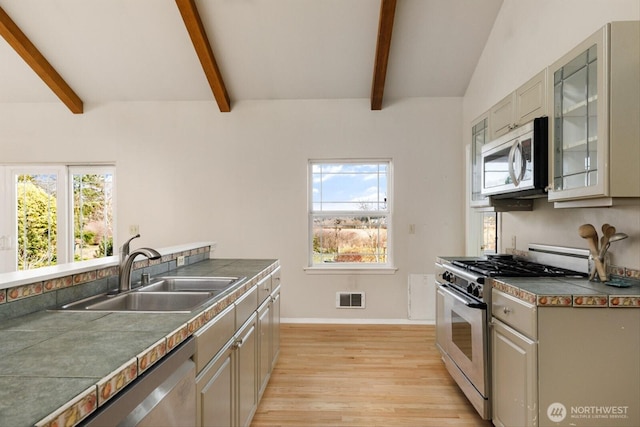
(37, 221)
(349, 239)
(349, 214)
(92, 215)
(38, 208)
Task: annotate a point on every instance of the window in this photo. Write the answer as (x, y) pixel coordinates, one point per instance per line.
(350, 213)
(55, 214)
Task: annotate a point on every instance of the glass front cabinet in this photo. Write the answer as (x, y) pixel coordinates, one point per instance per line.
(594, 104)
(479, 137)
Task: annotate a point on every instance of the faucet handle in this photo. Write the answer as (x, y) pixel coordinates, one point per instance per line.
(124, 249)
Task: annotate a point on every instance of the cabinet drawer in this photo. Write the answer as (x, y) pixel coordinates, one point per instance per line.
(516, 313)
(246, 305)
(264, 289)
(211, 338)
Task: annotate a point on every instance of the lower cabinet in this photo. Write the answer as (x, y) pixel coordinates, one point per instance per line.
(268, 338)
(214, 389)
(227, 387)
(230, 385)
(514, 374)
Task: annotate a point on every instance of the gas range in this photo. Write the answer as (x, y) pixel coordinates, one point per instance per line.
(463, 308)
(468, 274)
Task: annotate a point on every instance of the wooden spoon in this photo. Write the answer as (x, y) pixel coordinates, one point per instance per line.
(587, 231)
(607, 231)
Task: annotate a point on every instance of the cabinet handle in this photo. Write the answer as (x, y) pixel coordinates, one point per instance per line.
(237, 344)
(506, 310)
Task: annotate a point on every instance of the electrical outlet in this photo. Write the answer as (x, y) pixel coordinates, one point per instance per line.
(134, 229)
(513, 242)
(180, 261)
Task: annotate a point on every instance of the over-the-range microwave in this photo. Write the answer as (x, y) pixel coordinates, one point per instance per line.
(516, 164)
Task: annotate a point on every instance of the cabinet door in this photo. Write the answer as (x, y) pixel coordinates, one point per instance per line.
(578, 121)
(247, 378)
(479, 137)
(594, 97)
(514, 375)
(264, 345)
(531, 99)
(275, 327)
(215, 391)
(502, 116)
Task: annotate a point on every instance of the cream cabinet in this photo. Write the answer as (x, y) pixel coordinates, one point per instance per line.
(550, 364)
(268, 331)
(235, 354)
(479, 137)
(513, 362)
(519, 107)
(514, 377)
(594, 100)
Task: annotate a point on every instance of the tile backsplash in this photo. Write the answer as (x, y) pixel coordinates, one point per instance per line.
(48, 294)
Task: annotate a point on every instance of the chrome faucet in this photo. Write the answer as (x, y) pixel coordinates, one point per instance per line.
(126, 262)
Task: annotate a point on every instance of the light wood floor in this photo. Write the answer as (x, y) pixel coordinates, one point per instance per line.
(362, 375)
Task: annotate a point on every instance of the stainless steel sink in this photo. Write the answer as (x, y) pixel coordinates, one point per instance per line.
(143, 302)
(190, 284)
(176, 294)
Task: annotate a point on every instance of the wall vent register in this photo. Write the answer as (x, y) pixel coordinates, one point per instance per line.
(349, 299)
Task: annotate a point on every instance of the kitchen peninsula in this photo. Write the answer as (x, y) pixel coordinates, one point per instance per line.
(60, 367)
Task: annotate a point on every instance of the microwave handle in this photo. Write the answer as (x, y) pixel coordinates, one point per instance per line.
(516, 148)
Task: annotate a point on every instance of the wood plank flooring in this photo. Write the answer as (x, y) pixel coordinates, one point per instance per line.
(362, 375)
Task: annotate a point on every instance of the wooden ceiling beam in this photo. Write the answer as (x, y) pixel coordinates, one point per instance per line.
(385, 28)
(196, 31)
(32, 56)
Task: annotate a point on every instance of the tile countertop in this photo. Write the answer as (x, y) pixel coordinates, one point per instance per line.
(569, 292)
(58, 367)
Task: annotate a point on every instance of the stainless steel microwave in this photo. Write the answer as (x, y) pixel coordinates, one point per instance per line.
(516, 164)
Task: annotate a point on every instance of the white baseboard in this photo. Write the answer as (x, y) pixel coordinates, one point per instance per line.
(356, 321)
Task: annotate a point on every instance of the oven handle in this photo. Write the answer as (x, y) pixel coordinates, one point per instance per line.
(461, 298)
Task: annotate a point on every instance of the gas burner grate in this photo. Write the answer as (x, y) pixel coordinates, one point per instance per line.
(513, 267)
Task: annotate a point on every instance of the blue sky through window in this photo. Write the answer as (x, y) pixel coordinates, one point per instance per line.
(346, 187)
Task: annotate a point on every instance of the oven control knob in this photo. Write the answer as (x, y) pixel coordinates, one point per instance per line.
(446, 276)
(478, 291)
(471, 287)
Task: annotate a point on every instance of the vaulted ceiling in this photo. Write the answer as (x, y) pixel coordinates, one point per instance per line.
(145, 50)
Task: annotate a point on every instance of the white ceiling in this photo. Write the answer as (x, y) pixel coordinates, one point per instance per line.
(139, 50)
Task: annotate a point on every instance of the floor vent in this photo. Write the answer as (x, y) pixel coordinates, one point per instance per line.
(349, 299)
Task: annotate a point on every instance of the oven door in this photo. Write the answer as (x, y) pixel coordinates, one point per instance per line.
(462, 335)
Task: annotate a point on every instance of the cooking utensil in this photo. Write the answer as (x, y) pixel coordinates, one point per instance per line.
(588, 232)
(613, 238)
(607, 232)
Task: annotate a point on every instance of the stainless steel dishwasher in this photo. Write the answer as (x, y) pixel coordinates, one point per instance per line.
(165, 395)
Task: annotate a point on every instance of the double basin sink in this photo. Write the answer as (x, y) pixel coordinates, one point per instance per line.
(177, 294)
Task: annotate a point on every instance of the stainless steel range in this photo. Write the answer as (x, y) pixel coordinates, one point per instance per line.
(463, 305)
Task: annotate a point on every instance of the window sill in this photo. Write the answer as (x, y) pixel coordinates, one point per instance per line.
(350, 269)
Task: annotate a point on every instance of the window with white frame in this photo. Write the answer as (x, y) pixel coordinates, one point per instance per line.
(350, 213)
(55, 214)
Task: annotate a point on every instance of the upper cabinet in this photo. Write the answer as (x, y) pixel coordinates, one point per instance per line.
(479, 137)
(594, 100)
(519, 107)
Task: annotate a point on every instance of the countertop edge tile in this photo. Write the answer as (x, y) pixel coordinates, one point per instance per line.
(74, 411)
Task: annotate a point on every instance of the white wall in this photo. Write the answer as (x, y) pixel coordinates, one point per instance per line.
(528, 35)
(186, 172)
